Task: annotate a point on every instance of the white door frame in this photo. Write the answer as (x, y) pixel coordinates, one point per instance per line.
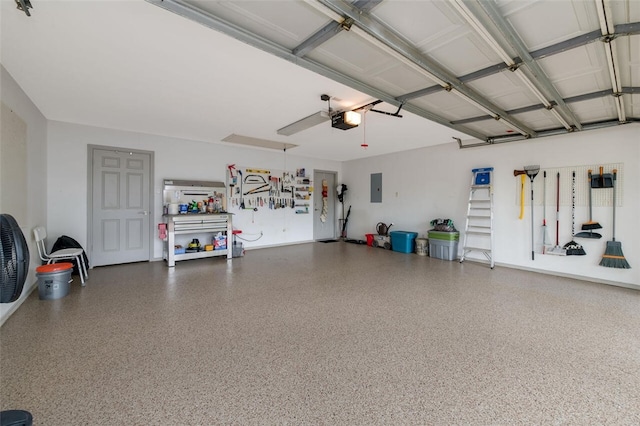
(90, 153)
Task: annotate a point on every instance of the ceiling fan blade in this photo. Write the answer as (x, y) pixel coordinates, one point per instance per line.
(305, 123)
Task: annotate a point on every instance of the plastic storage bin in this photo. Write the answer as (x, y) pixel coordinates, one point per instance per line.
(446, 250)
(443, 245)
(403, 241)
(237, 250)
(53, 280)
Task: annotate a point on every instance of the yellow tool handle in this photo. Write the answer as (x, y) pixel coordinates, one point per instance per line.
(258, 171)
(522, 180)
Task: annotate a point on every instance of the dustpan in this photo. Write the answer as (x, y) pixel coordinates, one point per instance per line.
(591, 224)
(603, 180)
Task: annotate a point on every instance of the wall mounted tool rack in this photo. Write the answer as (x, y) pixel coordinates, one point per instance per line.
(252, 188)
(599, 198)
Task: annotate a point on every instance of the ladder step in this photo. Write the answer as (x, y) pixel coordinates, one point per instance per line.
(469, 232)
(468, 248)
(474, 216)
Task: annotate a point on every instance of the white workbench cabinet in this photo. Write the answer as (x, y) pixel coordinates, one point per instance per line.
(195, 225)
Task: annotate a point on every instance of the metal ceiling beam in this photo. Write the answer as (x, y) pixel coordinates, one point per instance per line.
(584, 39)
(420, 93)
(380, 33)
(538, 75)
(546, 133)
(605, 17)
(563, 46)
(186, 10)
(330, 30)
(325, 34)
(554, 132)
(632, 28)
(569, 100)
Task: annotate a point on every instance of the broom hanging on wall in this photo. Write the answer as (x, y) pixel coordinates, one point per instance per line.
(613, 256)
(544, 213)
(572, 248)
(591, 225)
(557, 249)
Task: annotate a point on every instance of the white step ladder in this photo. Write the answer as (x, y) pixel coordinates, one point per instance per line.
(478, 230)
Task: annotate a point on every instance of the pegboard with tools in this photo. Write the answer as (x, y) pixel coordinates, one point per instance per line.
(252, 188)
(601, 174)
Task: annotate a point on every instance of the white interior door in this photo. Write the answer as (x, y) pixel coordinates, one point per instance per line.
(324, 223)
(120, 207)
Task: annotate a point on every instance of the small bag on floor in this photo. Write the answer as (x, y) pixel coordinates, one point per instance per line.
(65, 242)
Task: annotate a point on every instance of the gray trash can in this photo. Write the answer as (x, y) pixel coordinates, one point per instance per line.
(53, 280)
(237, 250)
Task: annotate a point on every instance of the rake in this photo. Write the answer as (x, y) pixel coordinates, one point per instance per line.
(557, 249)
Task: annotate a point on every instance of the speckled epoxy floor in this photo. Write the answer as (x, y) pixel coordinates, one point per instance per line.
(325, 334)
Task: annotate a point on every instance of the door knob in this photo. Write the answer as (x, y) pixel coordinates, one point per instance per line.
(144, 212)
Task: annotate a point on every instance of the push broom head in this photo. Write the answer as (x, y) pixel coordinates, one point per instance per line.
(588, 227)
(613, 257)
(591, 225)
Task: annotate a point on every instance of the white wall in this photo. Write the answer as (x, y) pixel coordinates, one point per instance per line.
(174, 158)
(425, 184)
(36, 195)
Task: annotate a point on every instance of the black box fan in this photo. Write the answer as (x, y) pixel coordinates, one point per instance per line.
(14, 257)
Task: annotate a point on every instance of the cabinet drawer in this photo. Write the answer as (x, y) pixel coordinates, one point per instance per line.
(218, 223)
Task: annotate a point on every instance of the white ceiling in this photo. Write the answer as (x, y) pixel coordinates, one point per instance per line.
(132, 65)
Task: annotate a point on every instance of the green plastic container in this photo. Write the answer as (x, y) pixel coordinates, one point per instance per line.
(444, 236)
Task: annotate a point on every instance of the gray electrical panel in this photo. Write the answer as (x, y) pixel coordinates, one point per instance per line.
(376, 187)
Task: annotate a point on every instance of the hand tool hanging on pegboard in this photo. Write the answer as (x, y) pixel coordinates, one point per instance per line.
(532, 172)
(572, 248)
(613, 256)
(591, 225)
(557, 249)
